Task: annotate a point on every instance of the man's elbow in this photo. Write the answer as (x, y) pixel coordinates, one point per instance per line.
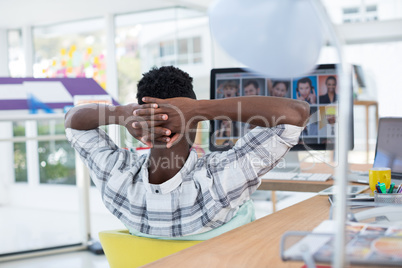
(67, 120)
(72, 118)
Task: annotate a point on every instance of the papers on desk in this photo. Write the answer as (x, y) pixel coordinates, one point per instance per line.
(366, 243)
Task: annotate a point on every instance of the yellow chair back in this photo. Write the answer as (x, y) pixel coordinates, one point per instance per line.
(125, 250)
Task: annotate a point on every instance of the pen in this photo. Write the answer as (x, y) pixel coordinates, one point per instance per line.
(383, 188)
(391, 188)
(400, 189)
(378, 189)
(397, 189)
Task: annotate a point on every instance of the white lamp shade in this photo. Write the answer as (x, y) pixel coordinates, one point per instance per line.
(279, 38)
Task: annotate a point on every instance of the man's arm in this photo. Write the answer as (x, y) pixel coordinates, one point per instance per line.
(91, 116)
(185, 113)
(259, 111)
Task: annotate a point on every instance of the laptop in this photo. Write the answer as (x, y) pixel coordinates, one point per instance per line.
(388, 151)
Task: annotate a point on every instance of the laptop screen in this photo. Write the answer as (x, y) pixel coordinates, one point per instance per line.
(389, 145)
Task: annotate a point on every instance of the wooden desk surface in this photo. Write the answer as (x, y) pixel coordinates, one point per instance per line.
(255, 244)
(365, 102)
(308, 186)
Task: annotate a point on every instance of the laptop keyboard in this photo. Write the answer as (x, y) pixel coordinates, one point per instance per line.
(294, 176)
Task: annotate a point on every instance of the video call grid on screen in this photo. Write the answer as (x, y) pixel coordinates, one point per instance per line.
(236, 82)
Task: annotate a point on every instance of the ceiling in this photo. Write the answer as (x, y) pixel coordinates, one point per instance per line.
(20, 13)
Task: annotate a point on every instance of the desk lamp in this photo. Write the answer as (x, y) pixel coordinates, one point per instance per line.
(282, 39)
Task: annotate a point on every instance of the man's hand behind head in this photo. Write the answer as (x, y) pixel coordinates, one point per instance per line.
(146, 129)
(181, 113)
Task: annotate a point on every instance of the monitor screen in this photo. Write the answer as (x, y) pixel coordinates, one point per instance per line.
(389, 144)
(319, 89)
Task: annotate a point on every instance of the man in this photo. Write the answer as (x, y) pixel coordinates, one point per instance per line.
(251, 88)
(171, 193)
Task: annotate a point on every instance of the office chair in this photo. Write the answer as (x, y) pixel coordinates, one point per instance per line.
(125, 250)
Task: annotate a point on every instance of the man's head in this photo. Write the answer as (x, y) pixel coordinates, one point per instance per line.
(304, 87)
(251, 88)
(165, 82)
(230, 89)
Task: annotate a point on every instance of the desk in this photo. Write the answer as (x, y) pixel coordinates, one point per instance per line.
(255, 244)
(307, 186)
(367, 104)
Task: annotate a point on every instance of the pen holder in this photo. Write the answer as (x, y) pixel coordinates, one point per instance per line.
(393, 198)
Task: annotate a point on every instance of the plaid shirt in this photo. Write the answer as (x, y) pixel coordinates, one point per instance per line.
(205, 194)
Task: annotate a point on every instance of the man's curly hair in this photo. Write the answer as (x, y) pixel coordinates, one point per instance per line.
(165, 82)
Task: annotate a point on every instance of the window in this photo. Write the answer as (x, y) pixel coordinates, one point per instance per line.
(183, 51)
(75, 49)
(20, 153)
(155, 38)
(352, 10)
(346, 11)
(166, 48)
(167, 53)
(16, 62)
(56, 157)
(177, 52)
(354, 14)
(197, 50)
(351, 14)
(371, 13)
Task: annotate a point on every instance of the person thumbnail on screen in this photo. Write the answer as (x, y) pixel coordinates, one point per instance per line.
(228, 89)
(305, 89)
(328, 115)
(279, 88)
(253, 87)
(311, 128)
(226, 128)
(328, 90)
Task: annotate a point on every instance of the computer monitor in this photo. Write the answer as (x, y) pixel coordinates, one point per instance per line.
(319, 133)
(388, 151)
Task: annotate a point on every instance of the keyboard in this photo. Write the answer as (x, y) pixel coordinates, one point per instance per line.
(360, 177)
(295, 176)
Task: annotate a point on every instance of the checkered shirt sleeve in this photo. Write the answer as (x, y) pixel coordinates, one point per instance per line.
(236, 173)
